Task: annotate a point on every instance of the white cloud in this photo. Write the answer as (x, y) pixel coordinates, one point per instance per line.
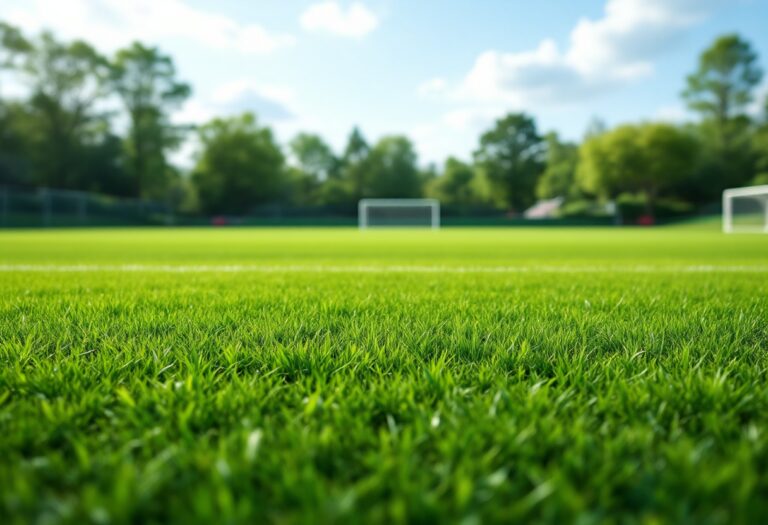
(432, 86)
(630, 34)
(617, 48)
(614, 49)
(519, 78)
(110, 24)
(329, 17)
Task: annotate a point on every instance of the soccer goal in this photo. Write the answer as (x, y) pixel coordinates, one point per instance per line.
(398, 212)
(745, 210)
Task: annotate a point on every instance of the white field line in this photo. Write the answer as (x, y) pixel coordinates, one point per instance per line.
(320, 268)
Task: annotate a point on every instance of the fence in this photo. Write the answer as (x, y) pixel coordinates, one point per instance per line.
(51, 207)
(45, 207)
(346, 215)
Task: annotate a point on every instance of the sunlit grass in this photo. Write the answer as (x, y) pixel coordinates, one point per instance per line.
(622, 388)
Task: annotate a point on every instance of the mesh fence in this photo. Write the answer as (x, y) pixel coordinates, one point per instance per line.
(48, 207)
(399, 216)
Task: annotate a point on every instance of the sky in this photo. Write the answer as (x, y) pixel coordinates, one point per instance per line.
(439, 71)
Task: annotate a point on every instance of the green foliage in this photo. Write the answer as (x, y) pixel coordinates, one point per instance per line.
(760, 148)
(583, 208)
(315, 163)
(314, 156)
(354, 168)
(14, 154)
(68, 80)
(724, 82)
(632, 206)
(102, 168)
(718, 168)
(96, 157)
(486, 376)
(336, 192)
(637, 158)
(13, 44)
(460, 185)
(240, 165)
(145, 80)
(388, 169)
(720, 90)
(392, 170)
(60, 137)
(511, 155)
(603, 160)
(559, 177)
(182, 194)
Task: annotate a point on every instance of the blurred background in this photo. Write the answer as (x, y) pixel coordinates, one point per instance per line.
(507, 112)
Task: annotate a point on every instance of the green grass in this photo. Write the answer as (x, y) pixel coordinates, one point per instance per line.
(247, 375)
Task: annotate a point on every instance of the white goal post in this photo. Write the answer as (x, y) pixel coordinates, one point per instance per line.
(745, 210)
(398, 212)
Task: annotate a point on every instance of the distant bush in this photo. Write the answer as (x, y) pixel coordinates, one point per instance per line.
(631, 207)
(583, 208)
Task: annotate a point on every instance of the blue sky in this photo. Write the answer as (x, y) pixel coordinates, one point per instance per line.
(439, 71)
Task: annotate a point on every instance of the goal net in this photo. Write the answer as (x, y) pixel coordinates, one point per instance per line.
(745, 210)
(398, 213)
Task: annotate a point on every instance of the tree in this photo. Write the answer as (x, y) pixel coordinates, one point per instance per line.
(511, 155)
(459, 185)
(67, 81)
(313, 156)
(428, 173)
(145, 80)
(392, 169)
(646, 158)
(313, 165)
(101, 166)
(13, 45)
(724, 82)
(14, 144)
(720, 90)
(14, 166)
(240, 165)
(559, 177)
(354, 169)
(760, 148)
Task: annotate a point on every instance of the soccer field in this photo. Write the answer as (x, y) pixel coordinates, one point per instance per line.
(334, 375)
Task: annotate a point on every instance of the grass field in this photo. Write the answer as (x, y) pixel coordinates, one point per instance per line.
(290, 375)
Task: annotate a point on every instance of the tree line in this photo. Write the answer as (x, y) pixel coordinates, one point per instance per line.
(64, 134)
